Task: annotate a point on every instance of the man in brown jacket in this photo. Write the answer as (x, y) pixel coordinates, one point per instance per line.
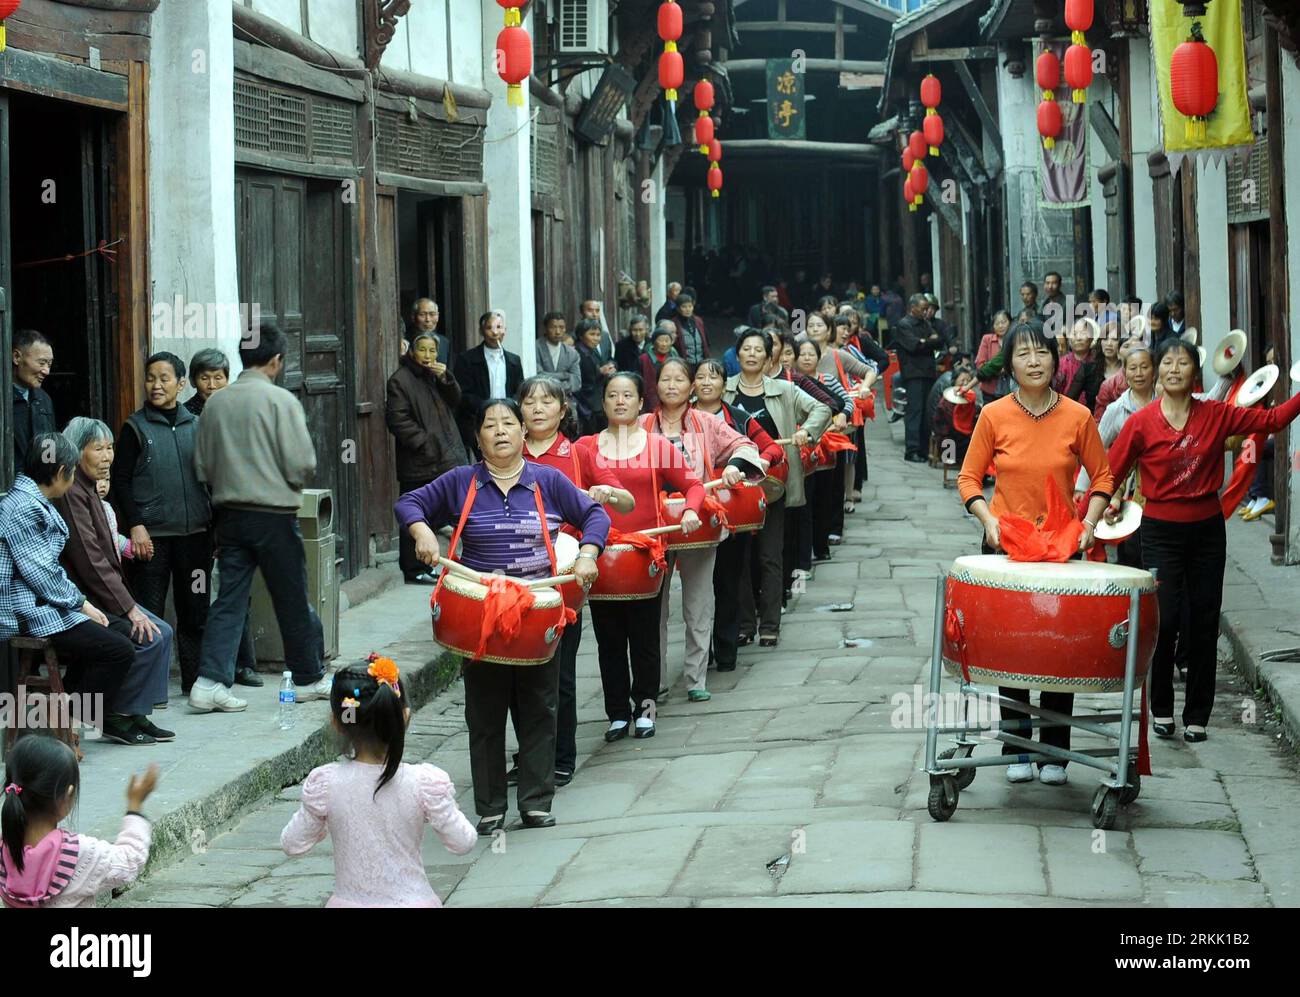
(255, 454)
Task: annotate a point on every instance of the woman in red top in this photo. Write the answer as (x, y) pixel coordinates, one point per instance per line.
(627, 632)
(735, 554)
(1177, 445)
(545, 405)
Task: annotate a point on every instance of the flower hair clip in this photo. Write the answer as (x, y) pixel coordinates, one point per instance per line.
(350, 704)
(384, 671)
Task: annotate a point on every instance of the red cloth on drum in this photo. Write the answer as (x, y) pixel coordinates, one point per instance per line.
(1182, 469)
(654, 545)
(503, 610)
(660, 465)
(963, 416)
(1056, 540)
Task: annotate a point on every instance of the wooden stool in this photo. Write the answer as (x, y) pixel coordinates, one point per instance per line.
(32, 653)
(947, 466)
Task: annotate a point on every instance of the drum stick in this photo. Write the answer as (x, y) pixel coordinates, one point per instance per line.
(534, 583)
(459, 569)
(719, 483)
(784, 443)
(654, 531)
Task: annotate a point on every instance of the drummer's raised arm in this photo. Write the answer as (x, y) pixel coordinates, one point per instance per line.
(1261, 420)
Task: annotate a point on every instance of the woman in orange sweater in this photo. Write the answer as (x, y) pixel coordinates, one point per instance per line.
(1028, 435)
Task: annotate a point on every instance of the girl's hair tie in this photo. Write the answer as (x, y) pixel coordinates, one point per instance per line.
(14, 788)
(384, 671)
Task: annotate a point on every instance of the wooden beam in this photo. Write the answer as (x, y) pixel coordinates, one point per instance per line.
(839, 32)
(737, 66)
(853, 150)
(962, 54)
(49, 77)
(1106, 130)
(991, 130)
(812, 27)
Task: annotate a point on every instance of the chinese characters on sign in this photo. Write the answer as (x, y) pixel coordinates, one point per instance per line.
(785, 103)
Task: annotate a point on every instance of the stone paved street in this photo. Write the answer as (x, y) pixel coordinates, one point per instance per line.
(793, 788)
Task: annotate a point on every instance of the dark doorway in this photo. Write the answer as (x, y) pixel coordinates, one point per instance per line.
(57, 198)
(430, 261)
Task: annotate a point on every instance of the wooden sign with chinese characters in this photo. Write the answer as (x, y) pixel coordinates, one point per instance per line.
(785, 104)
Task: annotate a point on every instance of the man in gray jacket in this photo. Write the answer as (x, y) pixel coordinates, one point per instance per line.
(554, 357)
(255, 454)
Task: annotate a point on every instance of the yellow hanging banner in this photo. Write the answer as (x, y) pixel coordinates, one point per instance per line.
(1229, 124)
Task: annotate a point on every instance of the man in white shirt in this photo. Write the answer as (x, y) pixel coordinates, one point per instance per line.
(554, 357)
(591, 309)
(489, 370)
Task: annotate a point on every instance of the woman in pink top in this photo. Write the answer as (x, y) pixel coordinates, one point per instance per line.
(990, 347)
(373, 805)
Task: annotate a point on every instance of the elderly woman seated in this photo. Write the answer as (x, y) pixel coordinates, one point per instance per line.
(92, 561)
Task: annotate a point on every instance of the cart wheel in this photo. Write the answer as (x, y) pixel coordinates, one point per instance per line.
(1130, 792)
(944, 793)
(964, 777)
(1104, 807)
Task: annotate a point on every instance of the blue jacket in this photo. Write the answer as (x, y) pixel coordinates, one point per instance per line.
(37, 598)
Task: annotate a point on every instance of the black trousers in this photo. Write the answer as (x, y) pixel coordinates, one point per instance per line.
(406, 559)
(491, 691)
(97, 657)
(566, 708)
(821, 498)
(1189, 560)
(860, 465)
(730, 577)
(916, 426)
(837, 474)
(183, 564)
(627, 639)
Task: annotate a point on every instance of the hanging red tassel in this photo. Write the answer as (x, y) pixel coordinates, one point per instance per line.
(503, 610)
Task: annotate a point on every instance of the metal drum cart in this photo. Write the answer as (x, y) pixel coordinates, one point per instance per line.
(1077, 627)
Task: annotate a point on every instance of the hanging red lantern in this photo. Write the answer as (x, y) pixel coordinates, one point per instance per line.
(1047, 71)
(1049, 122)
(703, 94)
(932, 129)
(1194, 82)
(920, 178)
(715, 178)
(715, 151)
(7, 8)
(514, 61)
(909, 195)
(672, 70)
(931, 91)
(1078, 72)
(909, 160)
(704, 124)
(916, 143)
(1078, 18)
(703, 132)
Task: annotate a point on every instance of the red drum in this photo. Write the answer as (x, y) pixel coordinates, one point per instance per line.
(710, 534)
(458, 620)
(1054, 627)
(746, 507)
(626, 573)
(566, 557)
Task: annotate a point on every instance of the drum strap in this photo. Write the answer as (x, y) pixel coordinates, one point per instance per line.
(470, 495)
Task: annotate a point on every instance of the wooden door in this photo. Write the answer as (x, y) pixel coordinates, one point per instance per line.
(294, 244)
(1115, 191)
(380, 347)
(6, 327)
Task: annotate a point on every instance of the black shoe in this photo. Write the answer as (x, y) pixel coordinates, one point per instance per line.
(726, 668)
(512, 776)
(744, 640)
(1194, 736)
(423, 578)
(157, 733)
(122, 730)
(767, 641)
(895, 417)
(916, 458)
(487, 825)
(643, 732)
(1164, 730)
(248, 677)
(562, 778)
(537, 820)
(160, 706)
(617, 734)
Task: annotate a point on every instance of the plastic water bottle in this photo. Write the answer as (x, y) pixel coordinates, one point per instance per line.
(288, 700)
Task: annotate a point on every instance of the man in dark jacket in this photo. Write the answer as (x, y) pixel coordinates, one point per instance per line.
(915, 342)
(33, 356)
(489, 370)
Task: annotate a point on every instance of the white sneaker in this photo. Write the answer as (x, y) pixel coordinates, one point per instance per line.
(1053, 775)
(207, 696)
(319, 689)
(1020, 773)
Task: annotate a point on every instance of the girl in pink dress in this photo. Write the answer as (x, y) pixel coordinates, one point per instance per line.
(373, 805)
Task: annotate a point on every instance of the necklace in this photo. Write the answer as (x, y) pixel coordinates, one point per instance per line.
(1052, 397)
(512, 474)
(749, 384)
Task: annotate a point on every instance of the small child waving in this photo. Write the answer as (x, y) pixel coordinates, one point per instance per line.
(42, 865)
(373, 805)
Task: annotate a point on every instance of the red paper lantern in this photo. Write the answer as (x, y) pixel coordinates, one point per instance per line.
(1078, 72)
(909, 160)
(931, 91)
(7, 7)
(1047, 70)
(715, 178)
(514, 61)
(670, 21)
(920, 178)
(932, 129)
(1194, 82)
(909, 195)
(1078, 18)
(715, 151)
(672, 72)
(916, 143)
(703, 132)
(1049, 122)
(703, 95)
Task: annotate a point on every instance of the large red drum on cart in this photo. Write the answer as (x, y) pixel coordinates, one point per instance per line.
(1053, 627)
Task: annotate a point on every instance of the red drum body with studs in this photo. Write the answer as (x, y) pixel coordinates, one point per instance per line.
(626, 572)
(1053, 627)
(458, 621)
(710, 534)
(746, 507)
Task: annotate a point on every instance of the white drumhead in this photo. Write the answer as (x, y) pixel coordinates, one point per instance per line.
(1258, 385)
(566, 553)
(1070, 578)
(470, 589)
